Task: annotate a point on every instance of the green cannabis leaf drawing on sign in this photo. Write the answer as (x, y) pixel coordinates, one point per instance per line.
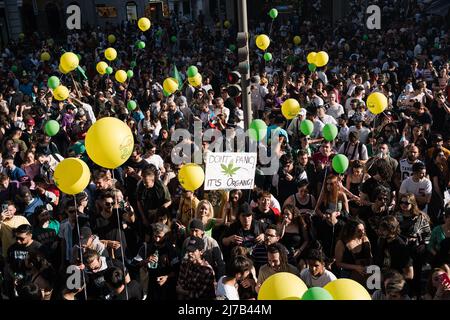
(229, 170)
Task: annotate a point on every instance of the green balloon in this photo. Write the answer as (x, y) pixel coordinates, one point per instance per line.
(159, 33)
(307, 127)
(192, 71)
(232, 47)
(51, 128)
(53, 82)
(267, 56)
(259, 130)
(131, 105)
(317, 293)
(130, 74)
(133, 64)
(365, 37)
(140, 44)
(14, 69)
(312, 67)
(109, 70)
(79, 57)
(173, 38)
(340, 163)
(329, 132)
(273, 13)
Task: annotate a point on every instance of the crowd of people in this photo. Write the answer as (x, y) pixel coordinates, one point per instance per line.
(134, 233)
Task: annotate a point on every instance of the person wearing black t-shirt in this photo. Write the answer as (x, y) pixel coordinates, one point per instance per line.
(119, 290)
(17, 254)
(382, 174)
(263, 212)
(95, 268)
(392, 252)
(327, 230)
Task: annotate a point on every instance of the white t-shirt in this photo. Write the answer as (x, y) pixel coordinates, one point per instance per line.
(335, 111)
(312, 281)
(421, 188)
(156, 160)
(225, 290)
(327, 119)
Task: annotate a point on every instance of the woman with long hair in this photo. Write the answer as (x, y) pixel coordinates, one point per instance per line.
(332, 198)
(230, 210)
(440, 177)
(205, 212)
(355, 178)
(437, 288)
(353, 251)
(294, 234)
(415, 230)
(41, 273)
(31, 166)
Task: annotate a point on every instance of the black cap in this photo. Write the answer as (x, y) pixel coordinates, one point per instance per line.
(197, 224)
(195, 243)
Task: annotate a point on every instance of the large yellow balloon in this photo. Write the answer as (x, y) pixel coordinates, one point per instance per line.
(377, 102)
(61, 93)
(69, 61)
(170, 85)
(101, 67)
(282, 286)
(311, 58)
(321, 59)
(297, 40)
(72, 176)
(196, 80)
(111, 38)
(45, 56)
(290, 108)
(144, 24)
(191, 176)
(111, 54)
(109, 142)
(262, 42)
(347, 289)
(121, 76)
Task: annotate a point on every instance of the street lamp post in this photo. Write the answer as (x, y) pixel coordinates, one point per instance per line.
(245, 76)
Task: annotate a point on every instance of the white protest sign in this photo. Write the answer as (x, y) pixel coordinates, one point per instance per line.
(230, 170)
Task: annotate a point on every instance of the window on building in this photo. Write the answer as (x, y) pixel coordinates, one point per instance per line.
(131, 11)
(104, 11)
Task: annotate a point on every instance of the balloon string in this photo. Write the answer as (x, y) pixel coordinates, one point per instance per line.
(81, 248)
(120, 237)
(271, 25)
(321, 191)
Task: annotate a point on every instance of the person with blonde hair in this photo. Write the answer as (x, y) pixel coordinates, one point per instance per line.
(205, 213)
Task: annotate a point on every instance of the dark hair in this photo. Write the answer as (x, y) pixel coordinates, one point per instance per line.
(23, 228)
(349, 229)
(316, 255)
(239, 264)
(90, 255)
(390, 224)
(274, 227)
(383, 169)
(148, 172)
(397, 282)
(302, 183)
(279, 248)
(114, 277)
(418, 166)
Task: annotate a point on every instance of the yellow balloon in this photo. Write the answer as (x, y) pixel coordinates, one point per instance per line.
(170, 85)
(111, 38)
(377, 102)
(45, 56)
(262, 42)
(101, 67)
(297, 40)
(61, 93)
(69, 61)
(111, 54)
(321, 59)
(311, 58)
(144, 24)
(290, 108)
(121, 76)
(72, 176)
(347, 289)
(109, 142)
(227, 24)
(191, 176)
(282, 286)
(196, 80)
